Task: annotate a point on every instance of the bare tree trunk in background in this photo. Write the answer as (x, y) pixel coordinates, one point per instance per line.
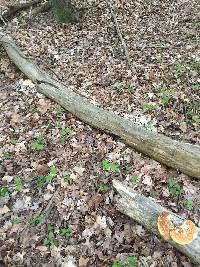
(64, 11)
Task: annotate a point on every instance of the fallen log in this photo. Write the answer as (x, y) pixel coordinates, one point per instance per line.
(13, 9)
(146, 211)
(176, 154)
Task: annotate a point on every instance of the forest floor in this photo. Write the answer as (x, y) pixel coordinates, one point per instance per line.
(57, 203)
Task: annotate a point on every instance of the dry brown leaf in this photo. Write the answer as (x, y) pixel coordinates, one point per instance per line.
(83, 262)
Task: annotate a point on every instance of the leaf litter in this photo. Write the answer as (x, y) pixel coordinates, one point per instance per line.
(162, 39)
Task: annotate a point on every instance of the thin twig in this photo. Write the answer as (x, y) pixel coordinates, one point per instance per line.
(48, 208)
(121, 37)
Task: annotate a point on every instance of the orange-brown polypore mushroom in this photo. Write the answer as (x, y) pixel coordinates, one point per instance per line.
(165, 225)
(185, 233)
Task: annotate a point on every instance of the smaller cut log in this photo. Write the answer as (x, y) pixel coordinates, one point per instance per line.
(146, 211)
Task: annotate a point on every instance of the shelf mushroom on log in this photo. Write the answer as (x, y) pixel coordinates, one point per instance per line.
(165, 224)
(185, 233)
(180, 233)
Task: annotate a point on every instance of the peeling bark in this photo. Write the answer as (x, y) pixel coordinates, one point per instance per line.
(176, 154)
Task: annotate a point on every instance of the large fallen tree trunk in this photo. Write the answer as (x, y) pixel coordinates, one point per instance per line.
(145, 211)
(179, 155)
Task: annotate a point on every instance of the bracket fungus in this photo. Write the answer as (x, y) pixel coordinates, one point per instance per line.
(185, 233)
(182, 234)
(165, 225)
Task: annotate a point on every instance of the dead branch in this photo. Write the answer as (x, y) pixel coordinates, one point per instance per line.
(146, 211)
(42, 8)
(176, 154)
(121, 37)
(14, 9)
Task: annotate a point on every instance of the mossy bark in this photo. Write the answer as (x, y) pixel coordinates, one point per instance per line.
(64, 11)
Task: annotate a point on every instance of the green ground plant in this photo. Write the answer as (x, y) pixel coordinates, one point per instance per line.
(175, 189)
(4, 191)
(148, 107)
(190, 204)
(129, 262)
(39, 143)
(65, 132)
(66, 232)
(19, 184)
(109, 166)
(44, 180)
(103, 188)
(37, 220)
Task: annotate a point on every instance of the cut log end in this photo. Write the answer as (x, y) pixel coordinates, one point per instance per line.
(145, 211)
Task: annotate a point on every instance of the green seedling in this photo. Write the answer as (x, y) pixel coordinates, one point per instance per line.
(13, 141)
(109, 166)
(129, 169)
(165, 100)
(19, 184)
(131, 87)
(17, 221)
(180, 68)
(39, 143)
(196, 86)
(67, 179)
(135, 179)
(4, 191)
(37, 220)
(196, 119)
(59, 112)
(152, 194)
(148, 106)
(132, 261)
(44, 180)
(189, 114)
(6, 155)
(52, 173)
(51, 240)
(119, 85)
(117, 264)
(66, 232)
(175, 188)
(65, 132)
(189, 204)
(41, 181)
(103, 188)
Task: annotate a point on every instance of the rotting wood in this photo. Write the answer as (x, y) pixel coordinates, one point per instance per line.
(179, 155)
(146, 211)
